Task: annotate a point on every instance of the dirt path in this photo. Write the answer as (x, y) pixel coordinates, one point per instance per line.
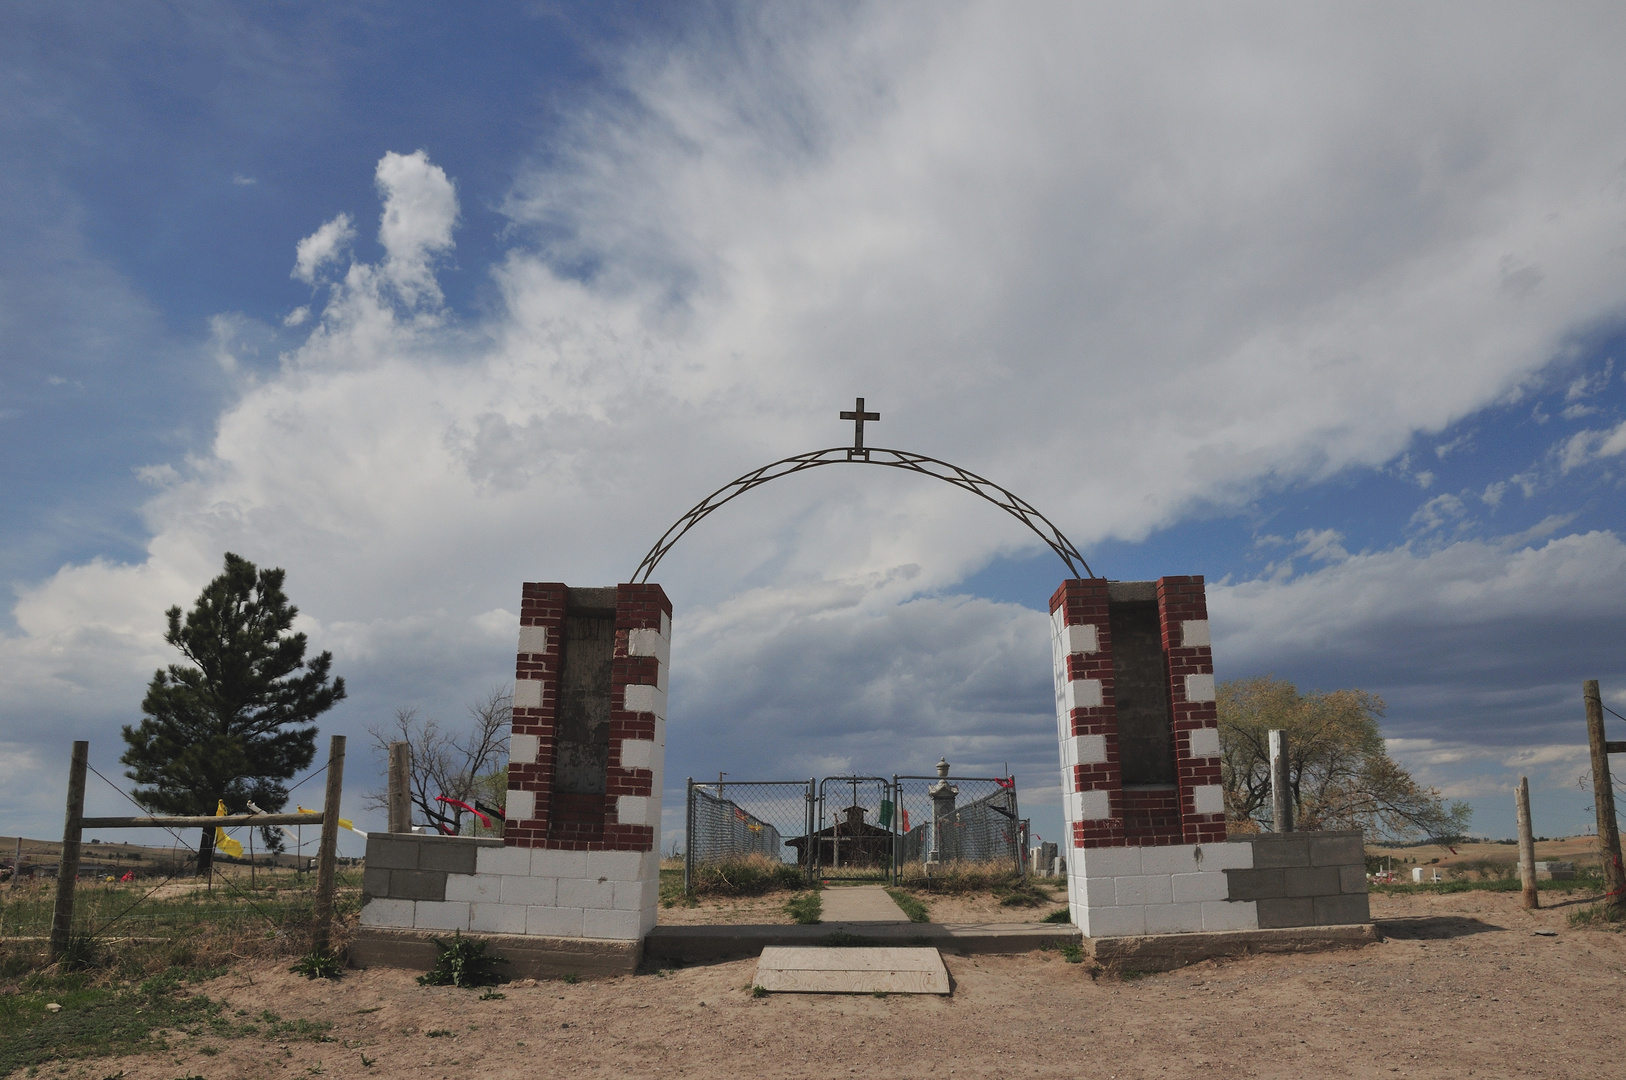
(1461, 986)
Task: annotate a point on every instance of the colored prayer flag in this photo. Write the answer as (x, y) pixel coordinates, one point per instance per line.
(222, 841)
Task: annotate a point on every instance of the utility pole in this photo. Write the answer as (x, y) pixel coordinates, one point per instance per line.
(1281, 791)
(1527, 846)
(1614, 874)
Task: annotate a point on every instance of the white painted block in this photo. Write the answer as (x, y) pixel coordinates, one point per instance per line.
(666, 626)
(1199, 688)
(1230, 915)
(1143, 889)
(533, 639)
(1227, 855)
(1173, 859)
(475, 888)
(650, 643)
(526, 891)
(1194, 634)
(527, 694)
(614, 865)
(1116, 921)
(502, 860)
(1208, 799)
(638, 753)
(587, 893)
(553, 922)
(1083, 750)
(521, 805)
(1082, 638)
(1174, 918)
(1196, 888)
(634, 895)
(1205, 742)
(1094, 892)
(646, 921)
(558, 864)
(641, 697)
(649, 865)
(614, 925)
(522, 749)
(1091, 805)
(381, 912)
(441, 915)
(1058, 624)
(637, 810)
(1083, 694)
(496, 919)
(1108, 861)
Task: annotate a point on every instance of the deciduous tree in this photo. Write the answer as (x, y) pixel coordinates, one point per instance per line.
(465, 764)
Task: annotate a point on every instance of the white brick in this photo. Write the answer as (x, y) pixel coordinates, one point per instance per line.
(533, 639)
(1091, 805)
(553, 922)
(1205, 742)
(1195, 888)
(614, 925)
(522, 749)
(1194, 634)
(650, 643)
(638, 753)
(1173, 859)
(1058, 624)
(1094, 892)
(526, 891)
(475, 888)
(527, 694)
(634, 895)
(496, 919)
(441, 915)
(666, 626)
(1108, 861)
(614, 865)
(649, 865)
(1082, 639)
(558, 864)
(1083, 750)
(1143, 889)
(646, 921)
(637, 810)
(1227, 855)
(1082, 694)
(1230, 915)
(503, 860)
(397, 913)
(521, 805)
(1209, 799)
(1114, 921)
(1199, 688)
(641, 697)
(586, 893)
(1174, 918)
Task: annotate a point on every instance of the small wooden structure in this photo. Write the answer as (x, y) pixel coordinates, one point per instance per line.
(850, 842)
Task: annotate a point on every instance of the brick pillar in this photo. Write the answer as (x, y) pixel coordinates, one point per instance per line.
(1086, 719)
(1182, 609)
(643, 646)
(536, 697)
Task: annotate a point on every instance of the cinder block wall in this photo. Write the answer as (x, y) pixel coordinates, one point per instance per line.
(570, 864)
(1153, 857)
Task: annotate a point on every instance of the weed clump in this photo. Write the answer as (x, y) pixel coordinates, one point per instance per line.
(1608, 916)
(910, 904)
(806, 908)
(749, 875)
(464, 962)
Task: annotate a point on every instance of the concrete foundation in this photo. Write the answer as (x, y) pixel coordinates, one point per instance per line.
(528, 957)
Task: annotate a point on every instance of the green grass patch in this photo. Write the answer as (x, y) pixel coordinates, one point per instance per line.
(750, 875)
(1607, 916)
(806, 908)
(672, 894)
(1060, 915)
(1072, 952)
(911, 905)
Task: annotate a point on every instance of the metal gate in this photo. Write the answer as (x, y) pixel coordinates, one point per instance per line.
(728, 822)
(854, 840)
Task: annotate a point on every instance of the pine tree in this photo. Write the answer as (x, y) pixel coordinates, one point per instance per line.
(240, 721)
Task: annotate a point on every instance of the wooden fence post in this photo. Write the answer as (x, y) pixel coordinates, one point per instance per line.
(1603, 799)
(327, 850)
(1281, 790)
(400, 793)
(1527, 845)
(67, 873)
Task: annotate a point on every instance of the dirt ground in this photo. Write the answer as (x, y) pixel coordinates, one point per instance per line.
(1460, 986)
(770, 910)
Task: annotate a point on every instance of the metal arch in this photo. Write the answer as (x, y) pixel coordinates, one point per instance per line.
(1012, 504)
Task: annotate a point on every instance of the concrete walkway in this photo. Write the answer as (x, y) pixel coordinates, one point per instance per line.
(860, 903)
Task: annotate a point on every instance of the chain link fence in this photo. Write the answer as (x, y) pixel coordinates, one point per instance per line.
(958, 819)
(727, 823)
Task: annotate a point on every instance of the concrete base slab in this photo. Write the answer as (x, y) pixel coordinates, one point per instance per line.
(1165, 952)
(711, 944)
(528, 957)
(785, 969)
(860, 903)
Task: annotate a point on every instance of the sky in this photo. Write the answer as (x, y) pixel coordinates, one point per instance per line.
(421, 302)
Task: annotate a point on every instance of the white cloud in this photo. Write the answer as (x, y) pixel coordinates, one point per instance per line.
(1588, 446)
(420, 211)
(1438, 512)
(321, 247)
(1324, 546)
(1492, 495)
